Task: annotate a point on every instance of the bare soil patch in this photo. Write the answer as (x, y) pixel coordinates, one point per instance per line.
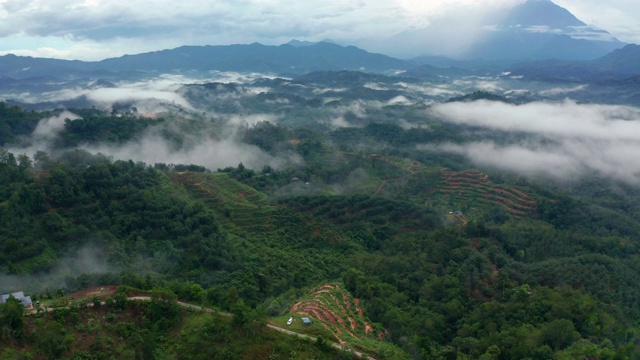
(102, 292)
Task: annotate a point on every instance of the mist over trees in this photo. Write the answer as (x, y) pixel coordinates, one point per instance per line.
(445, 220)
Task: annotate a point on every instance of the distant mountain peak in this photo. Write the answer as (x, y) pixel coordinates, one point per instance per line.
(541, 29)
(541, 13)
(299, 43)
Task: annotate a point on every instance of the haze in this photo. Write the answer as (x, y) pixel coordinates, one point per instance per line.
(95, 29)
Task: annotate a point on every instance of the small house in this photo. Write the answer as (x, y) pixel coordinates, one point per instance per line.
(24, 300)
(306, 321)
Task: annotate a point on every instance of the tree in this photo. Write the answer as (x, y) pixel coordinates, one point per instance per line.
(11, 318)
(53, 340)
(559, 334)
(120, 300)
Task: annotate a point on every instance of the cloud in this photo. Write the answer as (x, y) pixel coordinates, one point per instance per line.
(566, 119)
(44, 135)
(531, 161)
(482, 83)
(89, 259)
(146, 24)
(561, 90)
(209, 153)
(339, 122)
(145, 95)
(48, 129)
(430, 89)
(98, 29)
(160, 95)
(252, 119)
(563, 140)
(400, 100)
(149, 96)
(619, 17)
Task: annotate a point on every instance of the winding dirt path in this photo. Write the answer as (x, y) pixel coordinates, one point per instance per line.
(270, 326)
(226, 314)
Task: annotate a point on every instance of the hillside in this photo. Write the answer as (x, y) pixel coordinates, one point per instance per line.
(615, 66)
(155, 328)
(390, 250)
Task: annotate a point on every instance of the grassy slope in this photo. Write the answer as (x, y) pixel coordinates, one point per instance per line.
(336, 314)
(103, 333)
(247, 214)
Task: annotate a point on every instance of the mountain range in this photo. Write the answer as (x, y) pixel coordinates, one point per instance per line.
(536, 40)
(532, 30)
(296, 60)
(283, 59)
(619, 65)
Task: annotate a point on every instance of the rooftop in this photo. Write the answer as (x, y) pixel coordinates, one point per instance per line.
(24, 300)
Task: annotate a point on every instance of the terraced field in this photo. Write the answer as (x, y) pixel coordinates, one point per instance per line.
(470, 186)
(342, 315)
(245, 212)
(238, 206)
(474, 185)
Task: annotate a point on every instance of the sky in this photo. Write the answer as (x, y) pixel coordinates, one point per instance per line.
(98, 29)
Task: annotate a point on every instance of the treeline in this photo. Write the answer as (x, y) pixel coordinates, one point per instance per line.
(54, 206)
(16, 122)
(94, 127)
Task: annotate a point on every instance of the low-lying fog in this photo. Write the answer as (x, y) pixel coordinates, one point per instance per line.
(563, 139)
(568, 139)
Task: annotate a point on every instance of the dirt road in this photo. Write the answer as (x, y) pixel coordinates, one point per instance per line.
(270, 326)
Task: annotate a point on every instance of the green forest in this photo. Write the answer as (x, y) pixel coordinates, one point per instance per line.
(432, 257)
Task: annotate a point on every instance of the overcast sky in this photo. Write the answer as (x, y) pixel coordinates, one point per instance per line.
(97, 29)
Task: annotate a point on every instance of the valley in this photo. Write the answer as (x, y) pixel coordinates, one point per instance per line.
(198, 202)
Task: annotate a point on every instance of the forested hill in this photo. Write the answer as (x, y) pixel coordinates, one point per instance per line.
(440, 262)
(283, 59)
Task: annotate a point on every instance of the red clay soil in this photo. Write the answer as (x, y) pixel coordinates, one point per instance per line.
(510, 209)
(336, 333)
(509, 202)
(519, 192)
(354, 324)
(326, 317)
(103, 292)
(368, 329)
(519, 195)
(318, 315)
(341, 321)
(348, 301)
(454, 183)
(295, 306)
(344, 311)
(513, 200)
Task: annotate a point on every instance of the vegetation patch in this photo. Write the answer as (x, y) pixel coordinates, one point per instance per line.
(476, 185)
(342, 315)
